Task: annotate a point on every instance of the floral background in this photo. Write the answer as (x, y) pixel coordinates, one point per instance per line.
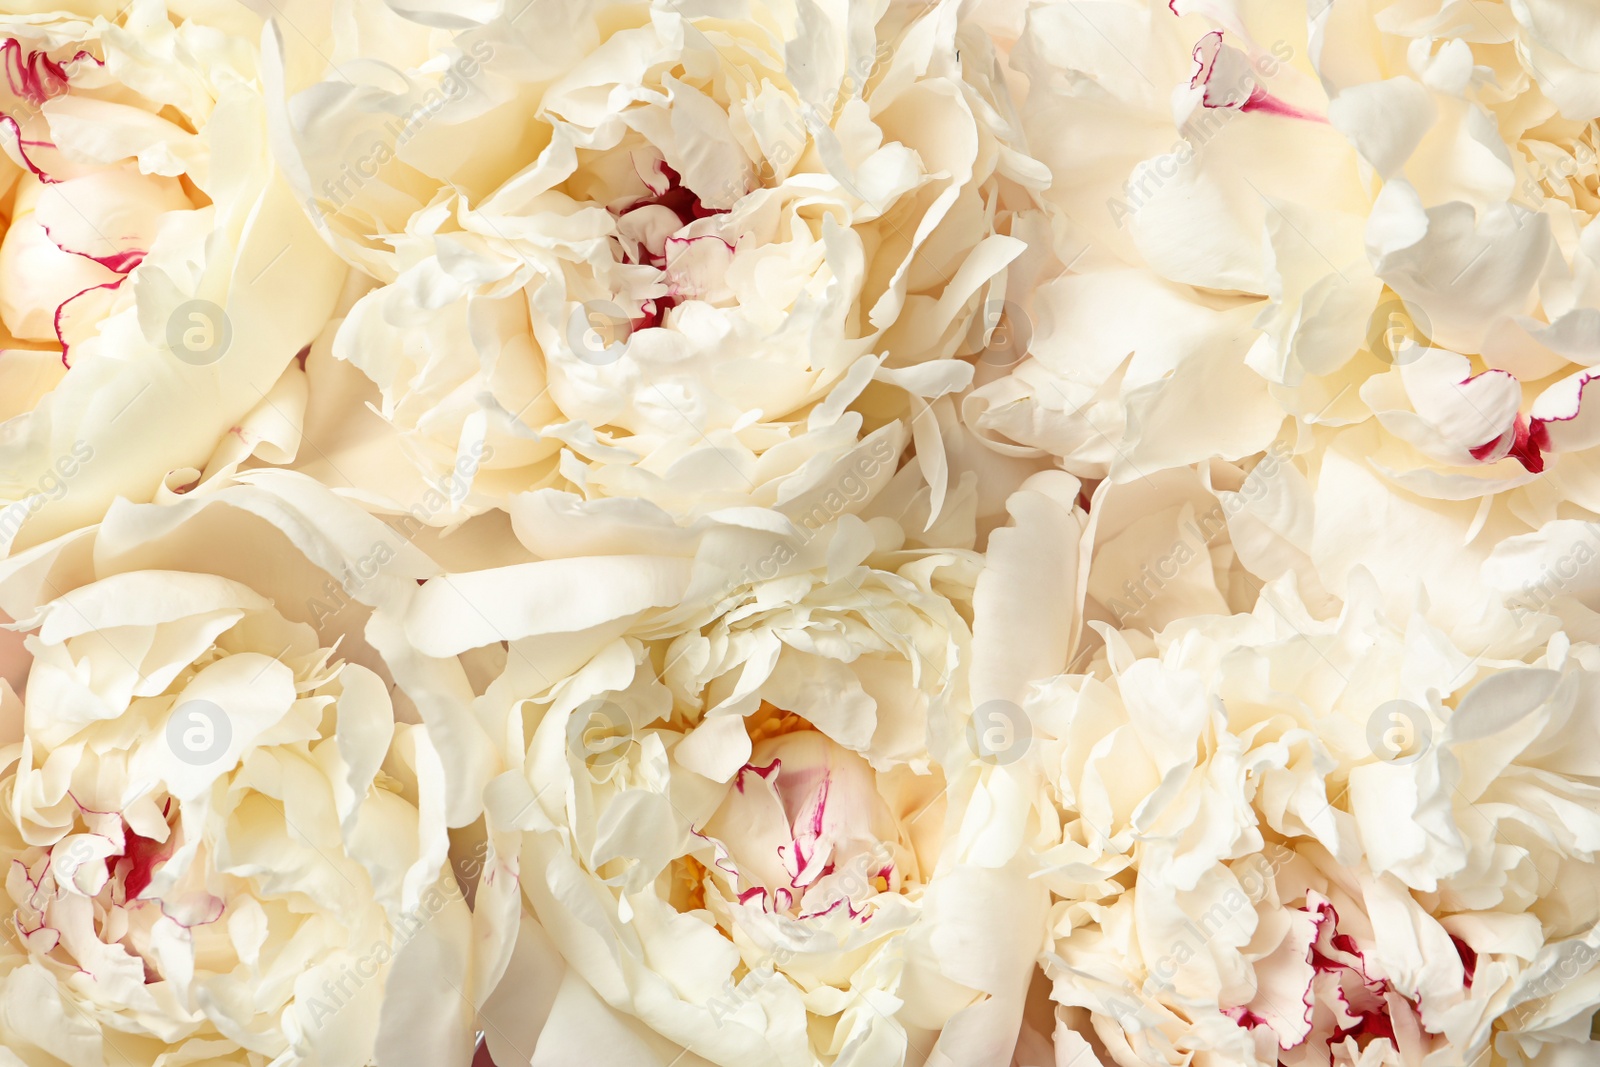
(809, 533)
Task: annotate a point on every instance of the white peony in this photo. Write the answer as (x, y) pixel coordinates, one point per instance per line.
(1287, 841)
(1370, 218)
(639, 252)
(156, 277)
(221, 845)
(739, 790)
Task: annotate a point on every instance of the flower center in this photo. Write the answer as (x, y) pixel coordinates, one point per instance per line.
(652, 235)
(78, 901)
(804, 832)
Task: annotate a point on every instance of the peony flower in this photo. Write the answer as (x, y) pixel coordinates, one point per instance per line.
(1291, 214)
(1253, 158)
(220, 843)
(156, 279)
(740, 807)
(647, 255)
(1174, 145)
(1287, 841)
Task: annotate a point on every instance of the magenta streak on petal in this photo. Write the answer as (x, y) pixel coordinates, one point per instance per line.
(28, 77)
(822, 805)
(750, 894)
(1245, 1017)
(1490, 450)
(80, 804)
(138, 863)
(652, 313)
(1259, 99)
(1527, 445)
(1490, 373)
(218, 906)
(64, 346)
(35, 79)
(1469, 958)
(34, 882)
(43, 926)
(676, 197)
(1202, 67)
(703, 237)
(1264, 102)
(1538, 431)
(482, 1057)
(655, 172)
(1325, 915)
(1326, 958)
(809, 836)
(1583, 383)
(719, 852)
(1522, 442)
(117, 262)
(7, 122)
(821, 912)
(764, 773)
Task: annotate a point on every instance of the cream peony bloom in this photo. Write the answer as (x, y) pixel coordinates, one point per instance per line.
(742, 810)
(1336, 177)
(221, 846)
(156, 278)
(1291, 842)
(634, 251)
(1371, 217)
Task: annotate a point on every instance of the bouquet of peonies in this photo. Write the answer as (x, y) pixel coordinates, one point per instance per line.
(799, 533)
